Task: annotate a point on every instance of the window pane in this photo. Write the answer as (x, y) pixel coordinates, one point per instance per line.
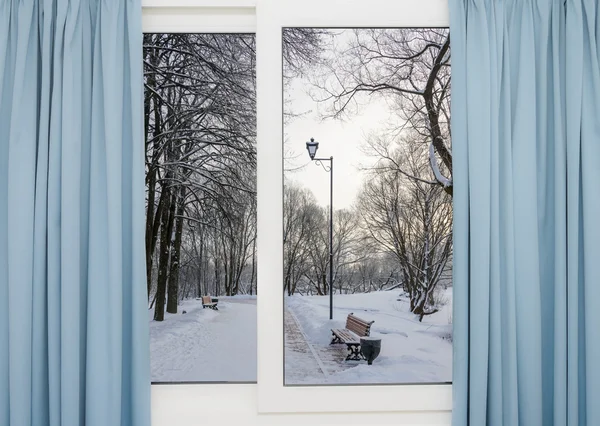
(200, 127)
(366, 130)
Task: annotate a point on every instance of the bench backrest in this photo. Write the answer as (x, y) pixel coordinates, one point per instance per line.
(359, 326)
(206, 300)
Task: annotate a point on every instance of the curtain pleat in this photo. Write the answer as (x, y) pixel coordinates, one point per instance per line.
(526, 138)
(73, 326)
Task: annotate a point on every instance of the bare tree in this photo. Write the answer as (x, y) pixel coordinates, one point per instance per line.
(410, 68)
(413, 221)
(306, 244)
(346, 248)
(400, 233)
(302, 49)
(300, 216)
(200, 122)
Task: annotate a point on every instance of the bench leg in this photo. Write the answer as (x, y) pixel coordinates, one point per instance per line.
(354, 353)
(335, 339)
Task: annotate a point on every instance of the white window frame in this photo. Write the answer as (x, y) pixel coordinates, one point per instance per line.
(272, 16)
(207, 16)
(191, 404)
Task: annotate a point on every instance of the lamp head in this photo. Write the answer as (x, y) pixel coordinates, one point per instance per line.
(312, 147)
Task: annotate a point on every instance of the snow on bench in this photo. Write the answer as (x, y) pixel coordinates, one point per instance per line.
(208, 303)
(355, 329)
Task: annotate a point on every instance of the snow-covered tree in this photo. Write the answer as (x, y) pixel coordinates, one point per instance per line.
(200, 127)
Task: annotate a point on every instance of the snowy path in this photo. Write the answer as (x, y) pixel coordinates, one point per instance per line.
(304, 358)
(205, 345)
(299, 352)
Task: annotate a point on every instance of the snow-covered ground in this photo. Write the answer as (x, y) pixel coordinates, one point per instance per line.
(411, 352)
(204, 345)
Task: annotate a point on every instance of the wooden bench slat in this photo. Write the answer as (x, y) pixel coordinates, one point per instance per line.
(351, 320)
(358, 322)
(208, 303)
(358, 326)
(346, 336)
(343, 332)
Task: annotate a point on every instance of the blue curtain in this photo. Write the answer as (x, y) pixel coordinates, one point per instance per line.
(526, 142)
(73, 321)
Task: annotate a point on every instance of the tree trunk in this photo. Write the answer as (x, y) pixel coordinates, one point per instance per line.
(205, 277)
(253, 265)
(151, 229)
(153, 301)
(432, 113)
(173, 289)
(166, 225)
(420, 309)
(217, 277)
(201, 263)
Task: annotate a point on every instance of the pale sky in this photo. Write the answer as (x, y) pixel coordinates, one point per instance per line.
(342, 140)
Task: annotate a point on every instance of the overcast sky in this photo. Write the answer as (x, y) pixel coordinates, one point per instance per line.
(340, 139)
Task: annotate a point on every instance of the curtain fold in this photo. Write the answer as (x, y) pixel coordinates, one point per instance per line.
(73, 322)
(526, 138)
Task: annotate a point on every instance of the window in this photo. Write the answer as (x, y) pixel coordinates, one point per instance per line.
(367, 272)
(200, 129)
(190, 403)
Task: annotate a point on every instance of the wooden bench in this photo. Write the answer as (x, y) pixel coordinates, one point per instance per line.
(355, 329)
(208, 303)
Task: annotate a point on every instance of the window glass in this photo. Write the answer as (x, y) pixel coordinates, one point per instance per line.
(367, 277)
(200, 129)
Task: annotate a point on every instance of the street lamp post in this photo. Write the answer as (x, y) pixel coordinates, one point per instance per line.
(312, 147)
